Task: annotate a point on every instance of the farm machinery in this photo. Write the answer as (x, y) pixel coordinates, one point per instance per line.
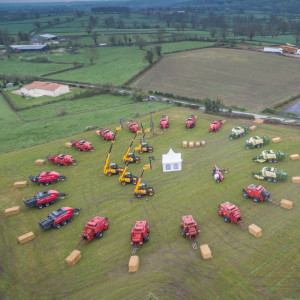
(215, 126)
(46, 178)
(133, 126)
(142, 189)
(269, 156)
(190, 229)
(230, 212)
(105, 134)
(139, 235)
(270, 174)
(127, 177)
(238, 132)
(94, 229)
(217, 173)
(257, 193)
(58, 218)
(82, 145)
(257, 142)
(164, 122)
(191, 122)
(61, 159)
(130, 157)
(45, 198)
(143, 146)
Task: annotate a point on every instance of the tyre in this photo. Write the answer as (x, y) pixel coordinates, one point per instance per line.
(57, 226)
(246, 196)
(150, 150)
(123, 182)
(75, 213)
(151, 193)
(59, 164)
(146, 238)
(40, 206)
(47, 183)
(69, 219)
(64, 223)
(78, 149)
(109, 174)
(53, 202)
(99, 235)
(269, 179)
(226, 219)
(274, 179)
(47, 204)
(137, 161)
(41, 184)
(141, 151)
(183, 233)
(53, 182)
(255, 199)
(139, 195)
(274, 160)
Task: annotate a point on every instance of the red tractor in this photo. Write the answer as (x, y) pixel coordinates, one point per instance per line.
(230, 213)
(106, 134)
(257, 192)
(58, 218)
(189, 229)
(61, 159)
(215, 126)
(82, 145)
(217, 173)
(47, 178)
(190, 122)
(164, 122)
(140, 234)
(42, 199)
(94, 229)
(133, 126)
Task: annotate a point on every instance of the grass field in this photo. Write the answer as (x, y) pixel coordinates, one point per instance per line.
(243, 78)
(242, 266)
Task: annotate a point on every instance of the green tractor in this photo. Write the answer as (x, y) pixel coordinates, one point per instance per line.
(257, 142)
(269, 156)
(270, 174)
(238, 132)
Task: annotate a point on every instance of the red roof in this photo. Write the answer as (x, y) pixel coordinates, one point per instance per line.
(42, 85)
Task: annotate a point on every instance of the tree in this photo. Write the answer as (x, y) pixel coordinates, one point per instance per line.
(94, 37)
(149, 57)
(92, 21)
(213, 32)
(224, 32)
(37, 24)
(91, 54)
(160, 34)
(109, 22)
(140, 42)
(157, 50)
(49, 22)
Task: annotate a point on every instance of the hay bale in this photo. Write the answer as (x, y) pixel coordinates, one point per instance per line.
(98, 132)
(286, 204)
(258, 121)
(133, 264)
(255, 230)
(40, 162)
(295, 179)
(197, 143)
(20, 184)
(224, 122)
(205, 251)
(294, 156)
(202, 143)
(184, 144)
(12, 211)
(73, 258)
(26, 237)
(276, 140)
(252, 128)
(68, 145)
(191, 144)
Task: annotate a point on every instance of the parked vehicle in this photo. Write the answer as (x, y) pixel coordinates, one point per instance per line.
(257, 193)
(215, 126)
(94, 229)
(164, 122)
(230, 212)
(270, 174)
(46, 178)
(257, 142)
(61, 159)
(133, 126)
(190, 122)
(82, 145)
(106, 134)
(238, 132)
(269, 156)
(140, 233)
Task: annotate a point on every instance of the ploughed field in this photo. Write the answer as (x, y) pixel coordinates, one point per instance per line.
(247, 79)
(242, 266)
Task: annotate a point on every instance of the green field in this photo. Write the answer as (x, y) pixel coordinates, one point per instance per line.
(242, 267)
(243, 78)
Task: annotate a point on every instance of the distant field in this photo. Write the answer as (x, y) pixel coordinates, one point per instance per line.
(242, 78)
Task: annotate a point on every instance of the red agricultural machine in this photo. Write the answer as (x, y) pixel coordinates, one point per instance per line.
(94, 229)
(230, 213)
(215, 126)
(257, 193)
(164, 122)
(217, 173)
(190, 229)
(139, 235)
(133, 126)
(61, 159)
(46, 178)
(106, 134)
(42, 199)
(82, 145)
(190, 122)
(58, 218)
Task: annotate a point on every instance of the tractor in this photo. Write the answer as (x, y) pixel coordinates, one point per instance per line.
(133, 126)
(142, 189)
(217, 173)
(94, 229)
(106, 134)
(189, 229)
(46, 178)
(130, 157)
(215, 126)
(230, 213)
(58, 218)
(269, 156)
(82, 145)
(257, 142)
(257, 192)
(127, 177)
(190, 122)
(164, 122)
(61, 159)
(238, 132)
(42, 199)
(143, 146)
(270, 174)
(139, 235)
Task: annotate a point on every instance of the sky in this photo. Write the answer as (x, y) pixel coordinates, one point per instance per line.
(44, 1)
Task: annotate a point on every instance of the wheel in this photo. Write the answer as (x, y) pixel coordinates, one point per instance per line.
(59, 164)
(274, 179)
(226, 219)
(246, 196)
(255, 199)
(47, 183)
(139, 195)
(47, 204)
(141, 151)
(99, 235)
(53, 182)
(183, 233)
(269, 179)
(151, 193)
(64, 223)
(134, 182)
(137, 161)
(53, 202)
(146, 238)
(109, 174)
(78, 149)
(150, 150)
(41, 184)
(75, 213)
(123, 182)
(40, 206)
(57, 226)
(274, 160)
(69, 219)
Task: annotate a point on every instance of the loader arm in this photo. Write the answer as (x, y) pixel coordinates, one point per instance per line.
(107, 157)
(123, 173)
(140, 179)
(128, 150)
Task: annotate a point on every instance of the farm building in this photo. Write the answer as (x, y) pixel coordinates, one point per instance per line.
(273, 50)
(171, 161)
(29, 48)
(41, 88)
(44, 37)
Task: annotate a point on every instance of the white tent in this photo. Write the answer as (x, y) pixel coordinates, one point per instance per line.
(171, 161)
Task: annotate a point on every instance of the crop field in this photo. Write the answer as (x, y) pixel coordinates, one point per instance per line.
(242, 267)
(243, 78)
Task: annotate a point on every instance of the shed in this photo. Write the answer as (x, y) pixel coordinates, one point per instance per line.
(171, 161)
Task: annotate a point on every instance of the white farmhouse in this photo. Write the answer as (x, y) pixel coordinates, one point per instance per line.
(171, 161)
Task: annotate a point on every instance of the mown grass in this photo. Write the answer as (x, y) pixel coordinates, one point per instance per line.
(242, 266)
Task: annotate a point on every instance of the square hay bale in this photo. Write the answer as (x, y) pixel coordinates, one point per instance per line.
(68, 145)
(184, 144)
(295, 179)
(286, 204)
(197, 144)
(202, 143)
(276, 140)
(294, 156)
(20, 184)
(12, 211)
(40, 162)
(98, 132)
(191, 144)
(73, 258)
(255, 230)
(252, 128)
(26, 237)
(258, 121)
(133, 264)
(205, 251)
(224, 122)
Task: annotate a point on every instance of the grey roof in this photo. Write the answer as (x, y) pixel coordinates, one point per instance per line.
(28, 47)
(47, 36)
